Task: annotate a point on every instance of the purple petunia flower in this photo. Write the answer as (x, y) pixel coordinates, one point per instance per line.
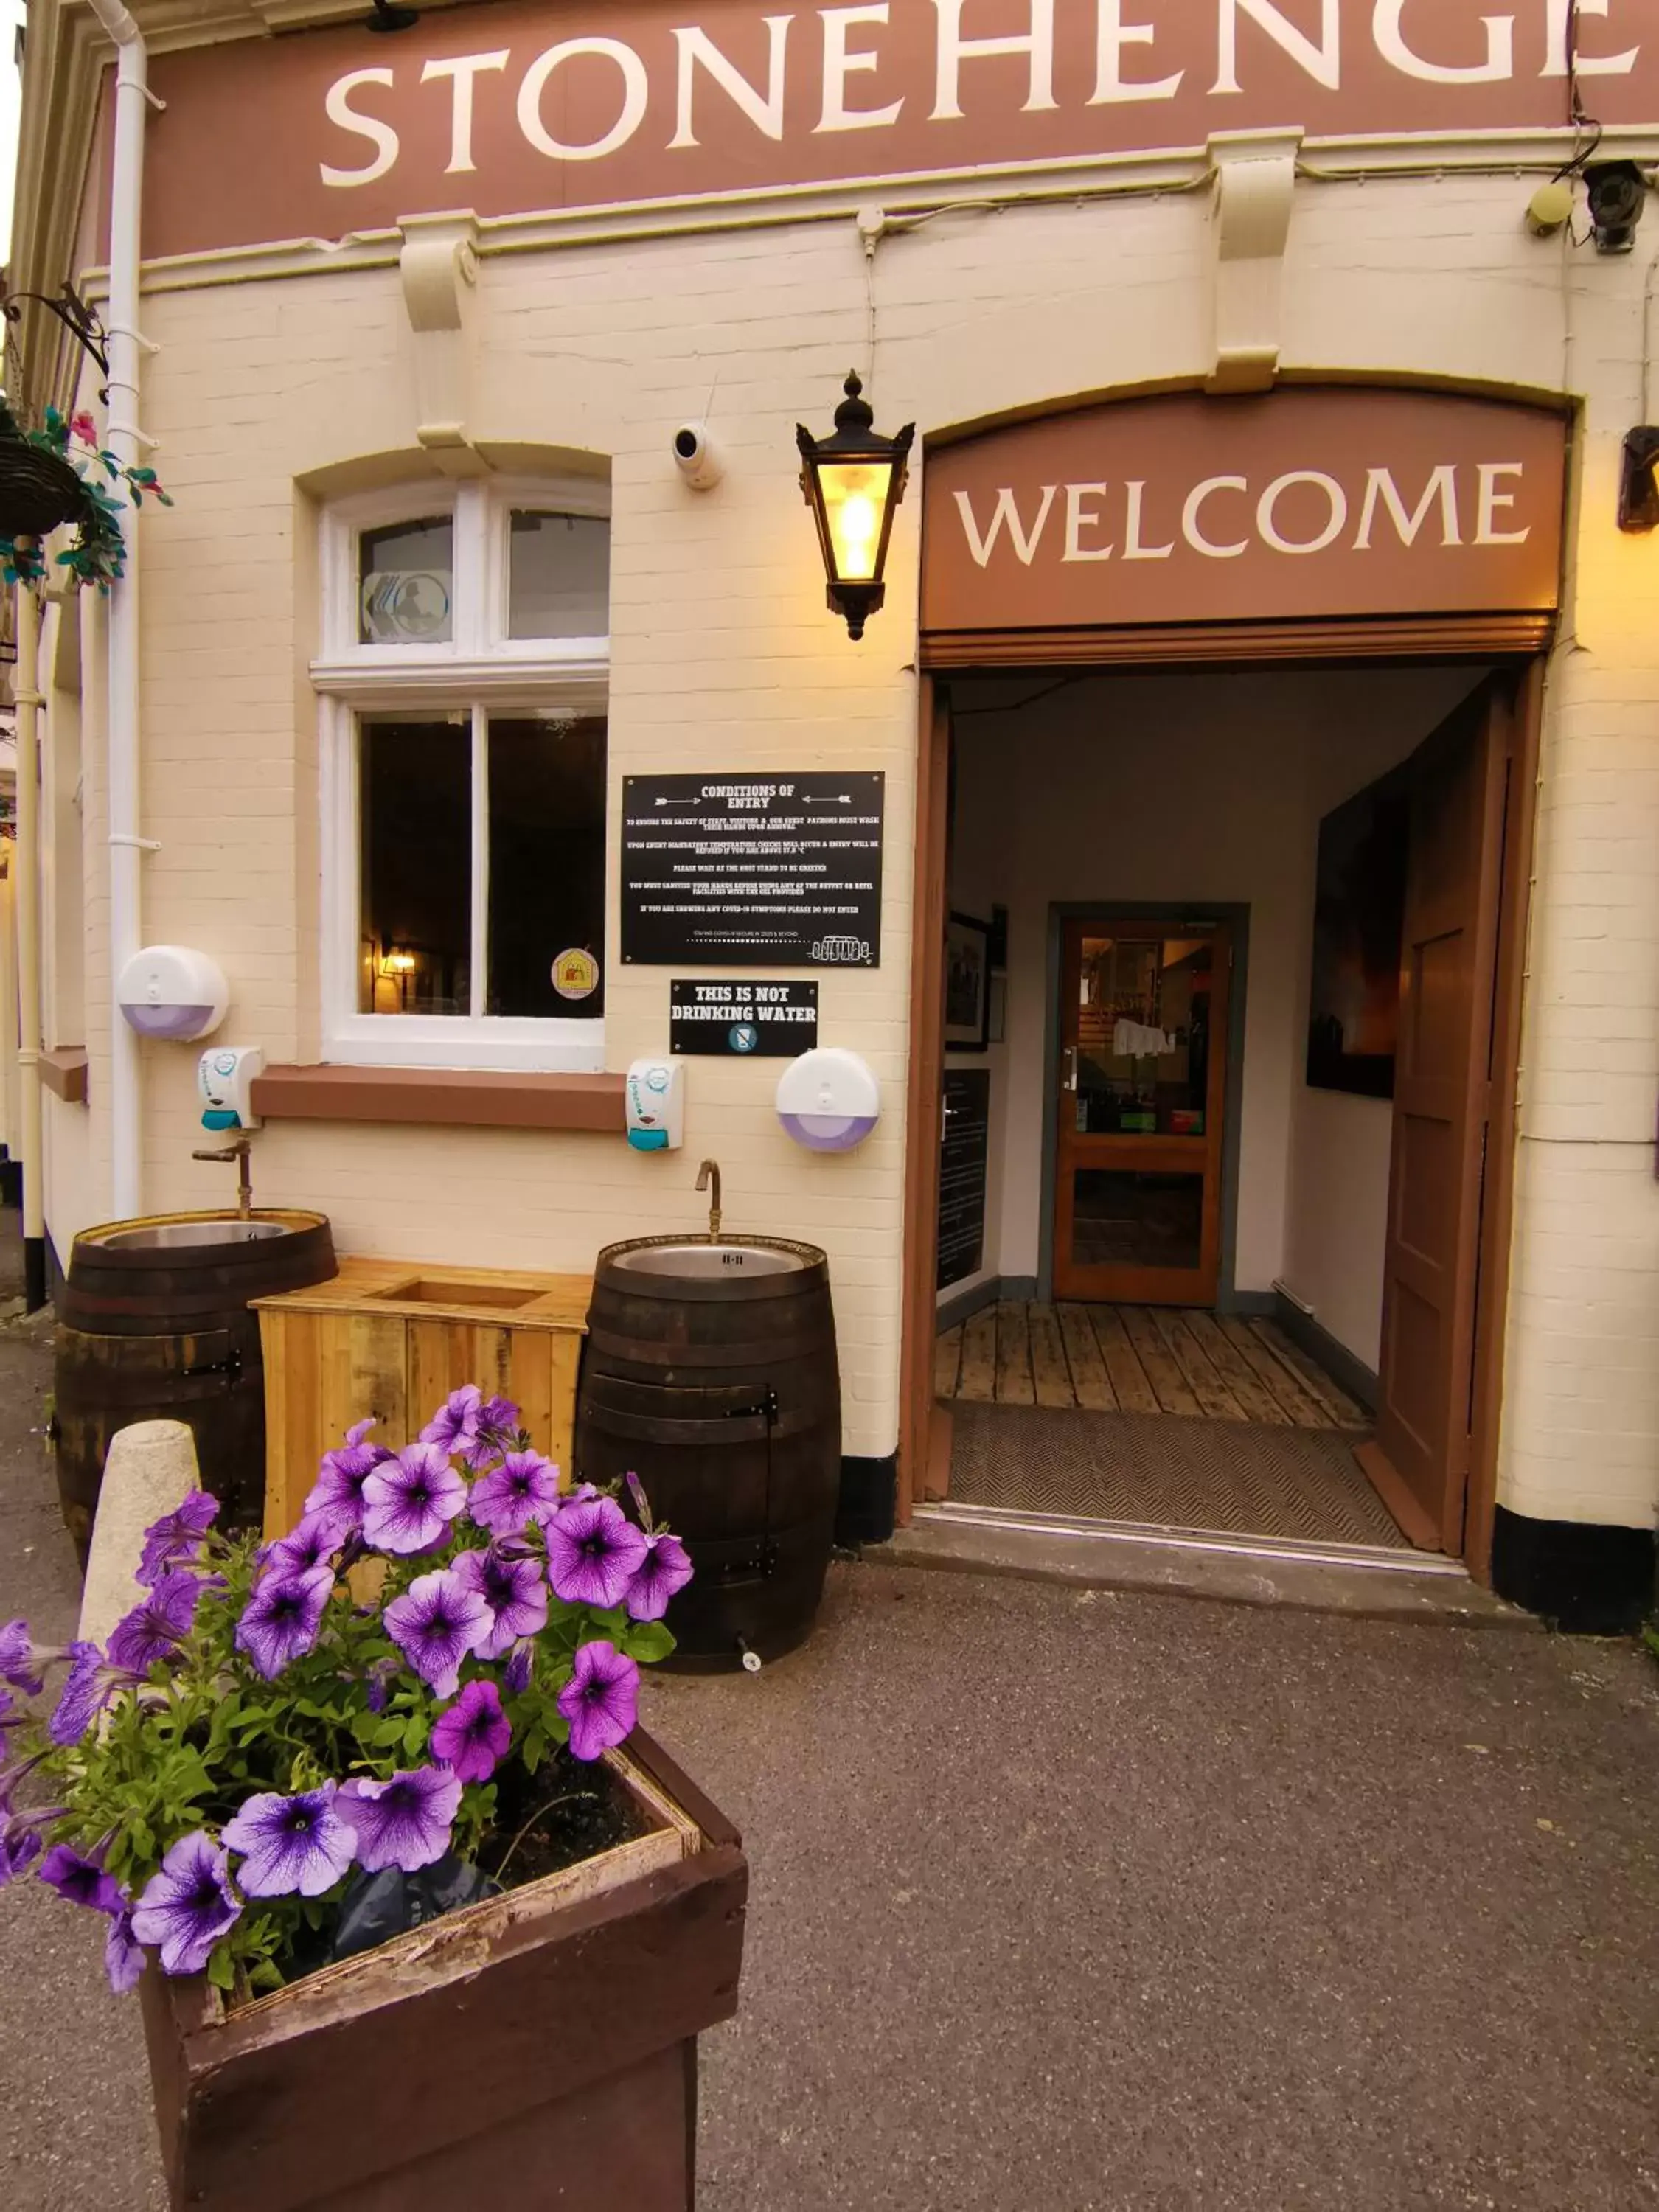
(664, 1569)
(593, 1552)
(524, 1488)
(154, 1628)
(124, 1957)
(19, 1663)
(496, 1431)
(21, 1845)
(188, 1905)
(11, 1713)
(338, 1489)
(519, 1667)
(379, 1681)
(515, 1590)
(175, 1541)
(317, 1538)
(454, 1426)
(601, 1699)
(409, 1502)
(471, 1736)
(89, 1687)
(405, 1822)
(281, 1619)
(80, 1880)
(291, 1843)
(436, 1624)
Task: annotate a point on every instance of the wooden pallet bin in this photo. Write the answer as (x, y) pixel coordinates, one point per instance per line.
(392, 1337)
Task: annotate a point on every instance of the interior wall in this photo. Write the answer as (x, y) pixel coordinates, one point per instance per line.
(1188, 789)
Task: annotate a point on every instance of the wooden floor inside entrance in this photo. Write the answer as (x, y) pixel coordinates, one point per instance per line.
(1139, 1359)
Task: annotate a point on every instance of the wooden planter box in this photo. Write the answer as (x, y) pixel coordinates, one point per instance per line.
(393, 1338)
(538, 2050)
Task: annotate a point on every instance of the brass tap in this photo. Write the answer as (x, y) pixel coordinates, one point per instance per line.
(709, 1174)
(239, 1152)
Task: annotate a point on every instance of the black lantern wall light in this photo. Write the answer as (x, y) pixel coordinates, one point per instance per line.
(853, 481)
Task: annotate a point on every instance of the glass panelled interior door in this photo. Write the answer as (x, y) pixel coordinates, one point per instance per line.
(1143, 1039)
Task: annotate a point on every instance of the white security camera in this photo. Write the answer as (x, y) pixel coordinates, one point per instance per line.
(696, 456)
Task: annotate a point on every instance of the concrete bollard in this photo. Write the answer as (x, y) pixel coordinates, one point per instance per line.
(149, 1470)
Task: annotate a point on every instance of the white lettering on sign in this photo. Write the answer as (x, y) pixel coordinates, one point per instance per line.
(1499, 62)
(1322, 60)
(636, 93)
(463, 70)
(1380, 485)
(379, 135)
(1007, 515)
(842, 61)
(953, 50)
(853, 69)
(764, 110)
(1112, 35)
(1089, 533)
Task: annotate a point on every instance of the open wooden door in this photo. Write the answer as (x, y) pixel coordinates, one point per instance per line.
(924, 1442)
(1441, 1109)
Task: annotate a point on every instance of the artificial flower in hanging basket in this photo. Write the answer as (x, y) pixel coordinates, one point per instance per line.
(350, 1834)
(48, 477)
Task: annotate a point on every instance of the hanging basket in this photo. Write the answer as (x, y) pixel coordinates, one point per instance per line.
(39, 489)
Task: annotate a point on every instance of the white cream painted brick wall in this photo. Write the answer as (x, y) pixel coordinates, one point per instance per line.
(724, 657)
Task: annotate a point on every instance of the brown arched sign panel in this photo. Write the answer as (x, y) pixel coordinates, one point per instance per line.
(1373, 510)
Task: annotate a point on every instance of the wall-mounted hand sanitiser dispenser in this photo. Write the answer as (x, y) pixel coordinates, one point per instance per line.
(224, 1078)
(168, 991)
(656, 1105)
(828, 1100)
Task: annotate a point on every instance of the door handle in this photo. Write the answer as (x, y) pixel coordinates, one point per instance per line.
(1068, 1068)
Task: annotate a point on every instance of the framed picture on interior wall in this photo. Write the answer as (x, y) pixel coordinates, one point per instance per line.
(967, 984)
(996, 1027)
(1359, 911)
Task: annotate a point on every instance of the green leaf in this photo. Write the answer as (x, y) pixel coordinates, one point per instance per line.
(648, 1641)
(415, 1736)
(222, 1969)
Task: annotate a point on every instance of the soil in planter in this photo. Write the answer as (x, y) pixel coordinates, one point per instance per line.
(564, 1813)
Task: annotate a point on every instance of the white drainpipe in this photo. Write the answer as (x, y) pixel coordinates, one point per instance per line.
(25, 910)
(125, 442)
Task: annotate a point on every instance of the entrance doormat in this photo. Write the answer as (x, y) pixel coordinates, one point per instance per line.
(1241, 1478)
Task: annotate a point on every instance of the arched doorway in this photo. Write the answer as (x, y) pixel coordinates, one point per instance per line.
(1174, 639)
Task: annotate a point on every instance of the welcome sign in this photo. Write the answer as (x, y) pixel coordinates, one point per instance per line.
(527, 106)
(1303, 502)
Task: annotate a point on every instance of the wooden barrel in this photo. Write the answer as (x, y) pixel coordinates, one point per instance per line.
(723, 1395)
(154, 1326)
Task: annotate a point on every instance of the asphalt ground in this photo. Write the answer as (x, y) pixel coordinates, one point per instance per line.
(1069, 1902)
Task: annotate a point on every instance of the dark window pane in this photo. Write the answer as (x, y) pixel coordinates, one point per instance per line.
(1121, 1218)
(546, 864)
(405, 580)
(559, 582)
(415, 799)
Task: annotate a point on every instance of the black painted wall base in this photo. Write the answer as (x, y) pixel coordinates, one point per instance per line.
(35, 1293)
(868, 1504)
(1584, 1577)
(11, 1182)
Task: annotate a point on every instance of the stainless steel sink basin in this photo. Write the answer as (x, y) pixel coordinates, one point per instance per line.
(178, 1235)
(698, 1258)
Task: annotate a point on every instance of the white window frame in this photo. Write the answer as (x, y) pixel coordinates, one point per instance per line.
(479, 673)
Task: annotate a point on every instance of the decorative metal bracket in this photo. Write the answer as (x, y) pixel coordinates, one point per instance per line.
(72, 312)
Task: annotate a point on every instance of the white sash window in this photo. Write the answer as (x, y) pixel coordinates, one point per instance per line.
(463, 684)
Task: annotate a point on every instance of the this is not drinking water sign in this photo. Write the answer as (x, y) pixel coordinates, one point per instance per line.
(752, 871)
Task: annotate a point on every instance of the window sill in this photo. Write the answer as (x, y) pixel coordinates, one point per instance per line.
(63, 1072)
(447, 1098)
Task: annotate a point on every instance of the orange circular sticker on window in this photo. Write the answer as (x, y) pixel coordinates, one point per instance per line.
(575, 973)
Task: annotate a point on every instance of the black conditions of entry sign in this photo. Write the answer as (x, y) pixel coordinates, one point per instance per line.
(752, 871)
(774, 1021)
